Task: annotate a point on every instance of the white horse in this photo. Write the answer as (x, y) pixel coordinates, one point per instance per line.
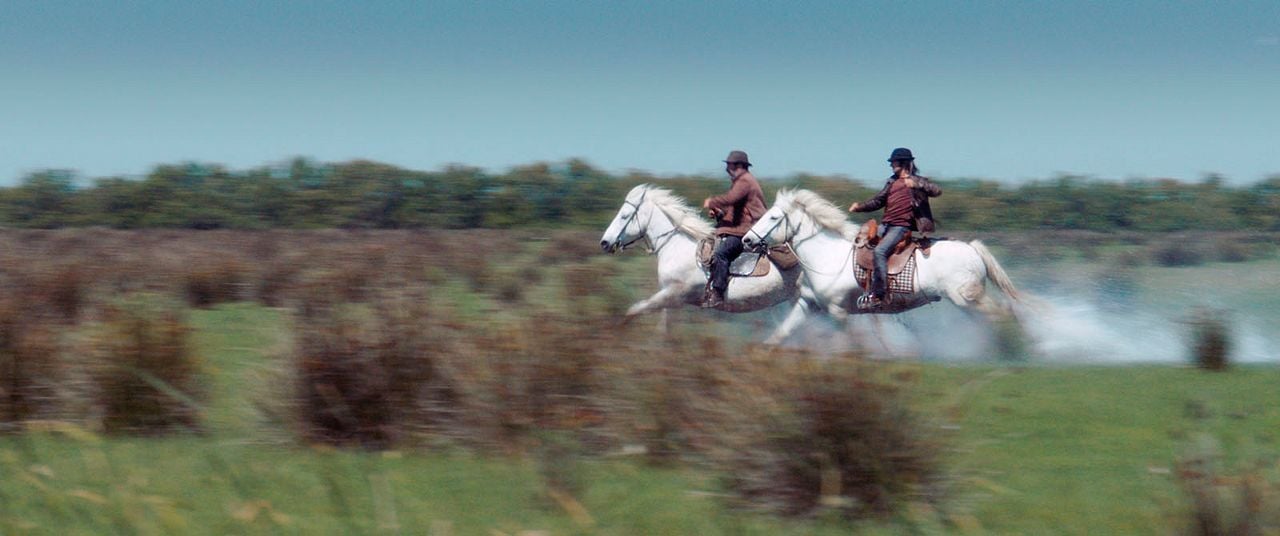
(824, 240)
(672, 230)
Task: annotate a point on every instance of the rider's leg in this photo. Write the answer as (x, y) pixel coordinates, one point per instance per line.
(892, 236)
(728, 250)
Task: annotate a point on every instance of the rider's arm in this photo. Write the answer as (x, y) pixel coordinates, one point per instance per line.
(736, 193)
(928, 187)
(875, 202)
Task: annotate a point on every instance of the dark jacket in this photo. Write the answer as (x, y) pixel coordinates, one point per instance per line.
(740, 207)
(920, 195)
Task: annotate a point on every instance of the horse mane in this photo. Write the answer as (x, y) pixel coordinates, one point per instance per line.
(824, 213)
(684, 217)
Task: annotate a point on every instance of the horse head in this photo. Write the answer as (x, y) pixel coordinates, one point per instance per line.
(774, 227)
(626, 227)
(796, 215)
(650, 209)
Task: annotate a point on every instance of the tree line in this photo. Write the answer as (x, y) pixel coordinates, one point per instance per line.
(304, 194)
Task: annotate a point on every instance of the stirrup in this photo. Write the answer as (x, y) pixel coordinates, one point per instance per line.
(867, 302)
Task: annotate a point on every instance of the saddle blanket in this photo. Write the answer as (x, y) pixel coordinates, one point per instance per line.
(903, 282)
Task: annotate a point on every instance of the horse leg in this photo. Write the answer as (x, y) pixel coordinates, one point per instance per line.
(797, 315)
(840, 314)
(665, 298)
(1008, 332)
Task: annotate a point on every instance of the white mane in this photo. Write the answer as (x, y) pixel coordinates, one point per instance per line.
(825, 214)
(684, 217)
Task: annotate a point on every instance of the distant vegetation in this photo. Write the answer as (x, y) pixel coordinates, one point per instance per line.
(305, 194)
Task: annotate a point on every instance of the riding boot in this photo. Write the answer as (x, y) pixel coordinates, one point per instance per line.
(712, 298)
(873, 297)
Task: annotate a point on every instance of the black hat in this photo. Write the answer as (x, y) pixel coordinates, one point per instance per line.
(901, 153)
(737, 157)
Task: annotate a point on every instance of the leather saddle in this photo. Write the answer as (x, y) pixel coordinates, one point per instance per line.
(900, 259)
(748, 264)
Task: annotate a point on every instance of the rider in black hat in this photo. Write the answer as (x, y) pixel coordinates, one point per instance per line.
(905, 198)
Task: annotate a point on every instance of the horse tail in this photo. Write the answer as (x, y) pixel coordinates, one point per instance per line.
(995, 272)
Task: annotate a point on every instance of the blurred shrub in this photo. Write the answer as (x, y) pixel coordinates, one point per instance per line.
(146, 377)
(1175, 253)
(345, 282)
(276, 278)
(1220, 504)
(59, 286)
(664, 392)
(367, 376)
(510, 288)
(31, 365)
(1210, 338)
(583, 281)
(215, 277)
(570, 246)
(799, 435)
(1232, 251)
(538, 373)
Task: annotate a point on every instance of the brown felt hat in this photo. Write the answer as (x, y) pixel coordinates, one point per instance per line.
(737, 157)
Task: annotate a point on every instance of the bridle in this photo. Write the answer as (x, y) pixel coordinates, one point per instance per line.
(785, 219)
(635, 214)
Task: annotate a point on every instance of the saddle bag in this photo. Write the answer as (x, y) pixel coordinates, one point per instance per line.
(783, 257)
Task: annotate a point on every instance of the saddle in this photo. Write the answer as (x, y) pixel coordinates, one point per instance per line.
(748, 264)
(902, 265)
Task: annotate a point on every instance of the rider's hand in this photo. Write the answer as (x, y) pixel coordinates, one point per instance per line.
(911, 183)
(853, 207)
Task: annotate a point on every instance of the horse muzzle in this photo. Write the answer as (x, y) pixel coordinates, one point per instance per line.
(608, 247)
(753, 245)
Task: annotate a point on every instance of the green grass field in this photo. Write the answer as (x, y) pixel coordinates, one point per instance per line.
(1036, 450)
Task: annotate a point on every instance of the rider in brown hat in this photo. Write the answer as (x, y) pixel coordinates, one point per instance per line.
(734, 212)
(905, 198)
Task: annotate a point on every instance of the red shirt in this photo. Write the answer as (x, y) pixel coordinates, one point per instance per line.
(899, 206)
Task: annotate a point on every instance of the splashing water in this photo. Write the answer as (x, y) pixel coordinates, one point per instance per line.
(1059, 329)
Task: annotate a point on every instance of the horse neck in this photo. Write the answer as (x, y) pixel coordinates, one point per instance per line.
(663, 234)
(822, 250)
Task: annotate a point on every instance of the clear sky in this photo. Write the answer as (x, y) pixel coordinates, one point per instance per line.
(1006, 90)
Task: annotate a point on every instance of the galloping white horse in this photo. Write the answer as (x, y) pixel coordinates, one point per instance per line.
(823, 239)
(672, 231)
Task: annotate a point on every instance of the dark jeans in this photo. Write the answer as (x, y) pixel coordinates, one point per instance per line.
(728, 250)
(892, 235)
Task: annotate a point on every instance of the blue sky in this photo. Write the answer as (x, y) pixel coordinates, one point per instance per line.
(1004, 90)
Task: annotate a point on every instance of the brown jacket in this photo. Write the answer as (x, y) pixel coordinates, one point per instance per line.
(740, 207)
(920, 195)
